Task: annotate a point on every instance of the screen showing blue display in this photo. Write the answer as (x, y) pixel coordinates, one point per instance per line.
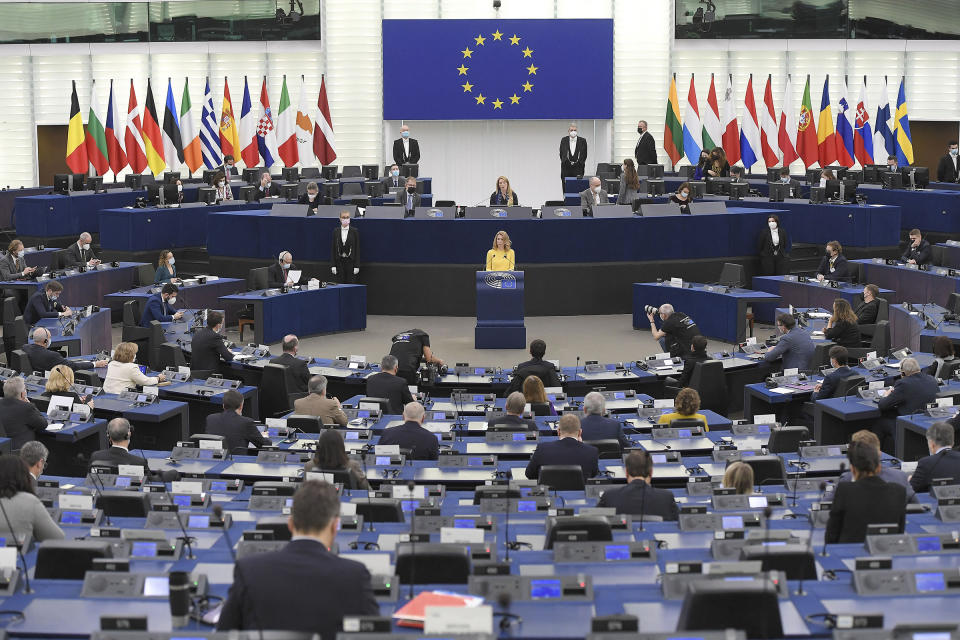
(519, 437)
(463, 523)
(474, 462)
(439, 415)
(71, 517)
(409, 505)
(659, 458)
(525, 491)
(544, 589)
(763, 428)
(156, 586)
(363, 413)
(206, 454)
(479, 371)
(143, 550)
(273, 432)
(383, 460)
(684, 433)
(352, 435)
(478, 398)
(928, 543)
(616, 552)
(218, 485)
(288, 502)
(747, 454)
(181, 501)
(122, 481)
(929, 582)
(199, 522)
(737, 578)
(732, 522)
(526, 505)
(619, 395)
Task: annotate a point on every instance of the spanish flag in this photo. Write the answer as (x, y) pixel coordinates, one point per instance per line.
(229, 136)
(76, 144)
(152, 137)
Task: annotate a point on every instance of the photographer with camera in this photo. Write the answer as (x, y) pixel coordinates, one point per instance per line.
(676, 331)
(410, 348)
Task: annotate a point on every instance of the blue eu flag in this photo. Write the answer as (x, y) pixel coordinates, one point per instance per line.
(488, 69)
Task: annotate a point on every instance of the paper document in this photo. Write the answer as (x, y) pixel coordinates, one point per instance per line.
(294, 276)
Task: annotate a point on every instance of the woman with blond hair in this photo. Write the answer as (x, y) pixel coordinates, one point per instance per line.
(536, 395)
(60, 383)
(504, 196)
(501, 256)
(739, 476)
(123, 373)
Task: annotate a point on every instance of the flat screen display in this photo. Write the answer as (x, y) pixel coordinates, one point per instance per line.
(929, 582)
(616, 552)
(544, 589)
(143, 550)
(156, 586)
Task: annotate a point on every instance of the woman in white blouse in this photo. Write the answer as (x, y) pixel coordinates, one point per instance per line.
(123, 372)
(773, 246)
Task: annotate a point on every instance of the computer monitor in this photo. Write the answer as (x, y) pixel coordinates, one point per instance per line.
(329, 172)
(698, 189)
(718, 186)
(171, 177)
(373, 188)
(813, 176)
(849, 189)
(330, 191)
(408, 170)
(247, 193)
(371, 171)
(309, 172)
(208, 175)
(655, 171)
(832, 190)
(773, 174)
(921, 177)
(251, 176)
(94, 183)
(778, 191)
(207, 195)
(134, 180)
(838, 171)
(161, 194)
(855, 176)
(817, 194)
(872, 172)
(290, 174)
(654, 187)
(892, 180)
(732, 275)
(290, 191)
(738, 190)
(66, 182)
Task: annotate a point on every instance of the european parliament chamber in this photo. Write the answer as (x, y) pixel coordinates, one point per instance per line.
(712, 387)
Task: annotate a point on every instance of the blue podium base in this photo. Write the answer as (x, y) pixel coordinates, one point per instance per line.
(514, 337)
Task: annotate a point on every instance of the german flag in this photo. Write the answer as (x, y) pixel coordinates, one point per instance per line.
(76, 144)
(152, 137)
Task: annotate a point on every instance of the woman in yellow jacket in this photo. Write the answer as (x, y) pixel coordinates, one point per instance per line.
(686, 405)
(501, 257)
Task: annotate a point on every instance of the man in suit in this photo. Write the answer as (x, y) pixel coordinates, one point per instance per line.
(867, 500)
(316, 403)
(20, 420)
(697, 353)
(887, 474)
(34, 454)
(569, 449)
(261, 597)
(278, 274)
(828, 386)
(833, 265)
(948, 169)
(646, 149)
(119, 433)
(406, 150)
(229, 167)
(299, 372)
(344, 250)
(387, 384)
(207, 349)
(159, 306)
(12, 267)
(918, 251)
(42, 358)
(786, 179)
(909, 395)
(638, 496)
(595, 426)
(45, 304)
(513, 420)
(80, 253)
(411, 435)
(536, 366)
(943, 461)
(238, 430)
(593, 196)
(266, 188)
(573, 154)
(868, 309)
(311, 198)
(795, 346)
(736, 174)
(393, 180)
(408, 196)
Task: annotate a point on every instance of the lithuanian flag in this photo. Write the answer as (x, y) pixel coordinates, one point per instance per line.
(672, 129)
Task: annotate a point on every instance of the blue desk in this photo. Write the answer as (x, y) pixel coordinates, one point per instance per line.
(912, 329)
(718, 314)
(924, 209)
(152, 228)
(805, 294)
(85, 288)
(75, 438)
(951, 254)
(196, 296)
(910, 283)
(92, 334)
(911, 436)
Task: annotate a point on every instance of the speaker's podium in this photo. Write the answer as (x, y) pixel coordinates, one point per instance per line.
(500, 311)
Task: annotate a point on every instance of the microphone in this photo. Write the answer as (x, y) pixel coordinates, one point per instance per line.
(186, 538)
(576, 368)
(643, 499)
(506, 618)
(767, 512)
(506, 532)
(98, 489)
(19, 547)
(179, 595)
(411, 485)
(364, 450)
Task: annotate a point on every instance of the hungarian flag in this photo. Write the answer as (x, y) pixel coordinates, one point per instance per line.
(118, 159)
(192, 154)
(304, 126)
(133, 135)
(692, 129)
(672, 130)
(731, 136)
(712, 133)
(844, 129)
(229, 140)
(324, 144)
(786, 133)
(768, 128)
(826, 138)
(152, 138)
(862, 131)
(249, 150)
(97, 152)
(806, 130)
(76, 140)
(750, 130)
(266, 131)
(286, 129)
(172, 144)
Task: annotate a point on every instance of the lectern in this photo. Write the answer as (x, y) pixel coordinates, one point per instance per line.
(500, 311)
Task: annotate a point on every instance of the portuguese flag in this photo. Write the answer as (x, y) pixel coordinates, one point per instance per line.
(807, 131)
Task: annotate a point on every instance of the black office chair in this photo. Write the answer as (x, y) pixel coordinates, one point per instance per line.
(593, 528)
(351, 171)
(711, 383)
(687, 423)
(201, 374)
(795, 560)
(352, 189)
(953, 303)
(274, 391)
(131, 330)
(306, 424)
(609, 449)
(936, 254)
(380, 510)
(124, 504)
(444, 203)
(883, 313)
(19, 332)
(20, 361)
(155, 339)
(146, 274)
(257, 279)
(881, 337)
(787, 439)
(540, 408)
(766, 469)
(719, 605)
(59, 261)
(562, 477)
(821, 355)
(432, 563)
(383, 403)
(69, 559)
(170, 354)
(949, 369)
(11, 309)
(845, 386)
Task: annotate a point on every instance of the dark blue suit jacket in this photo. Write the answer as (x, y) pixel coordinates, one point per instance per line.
(943, 464)
(796, 348)
(40, 306)
(910, 394)
(156, 309)
(564, 451)
(638, 497)
(830, 382)
(411, 435)
(599, 428)
(841, 270)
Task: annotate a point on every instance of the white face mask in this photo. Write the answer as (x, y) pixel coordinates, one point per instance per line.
(395, 173)
(772, 224)
(221, 183)
(171, 261)
(179, 187)
(344, 222)
(311, 196)
(573, 134)
(953, 152)
(172, 300)
(685, 194)
(286, 265)
(85, 247)
(596, 189)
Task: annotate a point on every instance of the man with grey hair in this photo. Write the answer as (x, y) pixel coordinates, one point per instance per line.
(387, 384)
(911, 394)
(406, 150)
(119, 433)
(411, 435)
(299, 372)
(19, 419)
(646, 150)
(513, 419)
(42, 358)
(316, 403)
(35, 455)
(943, 461)
(595, 195)
(80, 253)
(597, 427)
(676, 331)
(573, 154)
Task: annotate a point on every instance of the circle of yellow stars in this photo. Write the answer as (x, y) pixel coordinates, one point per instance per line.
(480, 41)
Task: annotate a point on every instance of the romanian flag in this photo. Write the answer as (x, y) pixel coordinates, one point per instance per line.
(152, 137)
(826, 138)
(672, 129)
(76, 144)
(902, 141)
(229, 137)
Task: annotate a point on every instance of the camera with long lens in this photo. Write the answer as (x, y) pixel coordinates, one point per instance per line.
(654, 310)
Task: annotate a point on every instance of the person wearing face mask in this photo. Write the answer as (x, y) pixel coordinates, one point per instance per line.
(700, 172)
(311, 198)
(918, 250)
(773, 246)
(948, 169)
(267, 189)
(593, 196)
(833, 266)
(179, 192)
(892, 163)
(166, 271)
(46, 304)
(406, 150)
(682, 197)
(159, 306)
(229, 166)
(629, 183)
(43, 358)
(220, 185)
(504, 195)
(344, 249)
(278, 274)
(719, 167)
(392, 182)
(80, 253)
(573, 154)
(825, 175)
(12, 267)
(786, 179)
(646, 149)
(409, 197)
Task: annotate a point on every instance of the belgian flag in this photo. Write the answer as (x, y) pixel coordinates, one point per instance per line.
(76, 144)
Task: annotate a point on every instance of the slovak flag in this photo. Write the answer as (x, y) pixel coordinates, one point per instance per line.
(862, 133)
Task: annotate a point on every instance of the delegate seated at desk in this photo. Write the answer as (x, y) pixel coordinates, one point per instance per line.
(513, 420)
(568, 450)
(868, 309)
(638, 496)
(278, 274)
(595, 426)
(833, 265)
(79, 253)
(221, 187)
(237, 430)
(316, 403)
(685, 407)
(119, 433)
(159, 306)
(909, 395)
(311, 198)
(887, 474)
(408, 196)
(388, 384)
(842, 327)
(501, 256)
(166, 271)
(20, 420)
(593, 196)
(45, 304)
(331, 455)
(794, 347)
(60, 383)
(943, 461)
(42, 358)
(393, 180)
(682, 197)
(867, 500)
(918, 250)
(411, 435)
(266, 188)
(123, 373)
(943, 357)
(207, 350)
(826, 388)
(21, 506)
(12, 267)
(297, 367)
(504, 196)
(536, 366)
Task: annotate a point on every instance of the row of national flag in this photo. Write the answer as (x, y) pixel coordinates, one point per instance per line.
(850, 139)
(288, 136)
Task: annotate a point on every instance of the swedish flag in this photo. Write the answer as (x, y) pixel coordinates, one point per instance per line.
(902, 142)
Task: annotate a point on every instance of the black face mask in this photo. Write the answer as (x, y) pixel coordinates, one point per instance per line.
(639, 130)
(411, 189)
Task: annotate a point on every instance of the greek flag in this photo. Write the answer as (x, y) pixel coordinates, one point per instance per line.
(210, 131)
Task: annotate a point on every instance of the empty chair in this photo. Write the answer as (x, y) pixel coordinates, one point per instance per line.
(609, 449)
(69, 559)
(380, 510)
(382, 403)
(846, 386)
(787, 439)
(716, 605)
(562, 477)
(145, 274)
(351, 171)
(170, 355)
(352, 189)
(881, 337)
(154, 341)
(20, 361)
(19, 332)
(710, 382)
(131, 330)
(432, 563)
(766, 469)
(540, 408)
(593, 528)
(687, 423)
(795, 560)
(274, 391)
(10, 311)
(306, 424)
(953, 304)
(124, 504)
(821, 356)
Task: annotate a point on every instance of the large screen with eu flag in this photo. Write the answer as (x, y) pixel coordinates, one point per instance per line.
(497, 69)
